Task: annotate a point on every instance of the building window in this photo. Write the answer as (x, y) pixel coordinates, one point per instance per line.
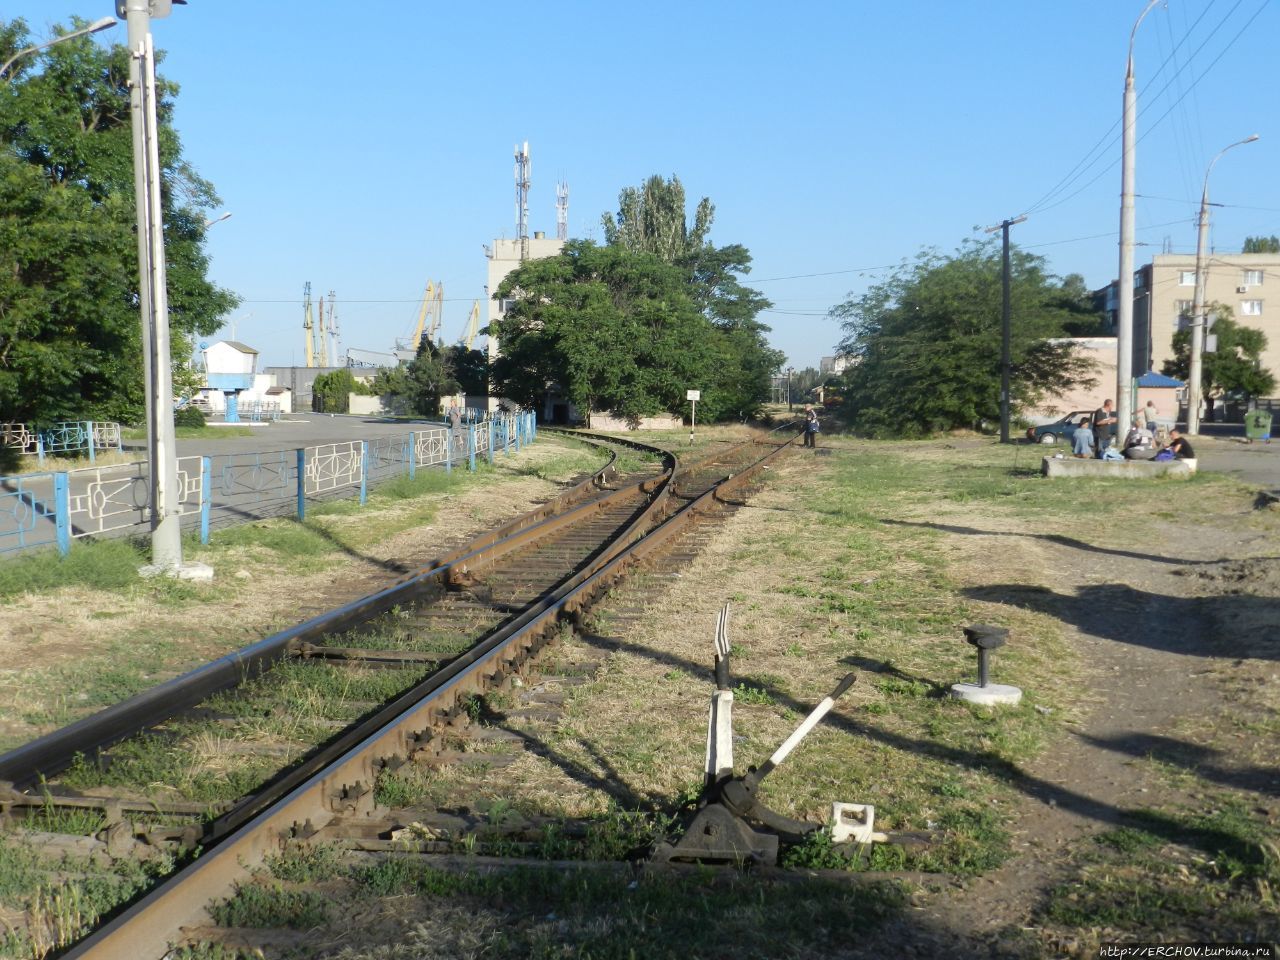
(1251, 278)
(1250, 308)
(1186, 278)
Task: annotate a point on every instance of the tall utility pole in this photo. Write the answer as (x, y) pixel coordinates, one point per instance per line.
(166, 535)
(1006, 326)
(522, 199)
(1199, 318)
(562, 211)
(1124, 311)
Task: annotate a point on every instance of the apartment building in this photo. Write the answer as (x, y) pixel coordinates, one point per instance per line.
(1164, 290)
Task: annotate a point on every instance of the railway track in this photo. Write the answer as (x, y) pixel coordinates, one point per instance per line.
(412, 660)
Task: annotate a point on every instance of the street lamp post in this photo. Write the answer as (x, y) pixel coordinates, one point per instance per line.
(1124, 312)
(94, 27)
(790, 370)
(166, 534)
(1199, 321)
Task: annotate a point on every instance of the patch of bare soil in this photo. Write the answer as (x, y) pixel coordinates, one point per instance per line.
(1172, 627)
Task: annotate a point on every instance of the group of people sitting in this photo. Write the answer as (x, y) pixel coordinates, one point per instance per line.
(1146, 440)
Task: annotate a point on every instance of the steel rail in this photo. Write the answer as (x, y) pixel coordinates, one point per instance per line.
(44, 757)
(345, 787)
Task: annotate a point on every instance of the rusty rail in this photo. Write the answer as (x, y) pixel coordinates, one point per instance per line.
(401, 730)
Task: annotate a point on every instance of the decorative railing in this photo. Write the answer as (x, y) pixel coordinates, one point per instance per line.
(56, 508)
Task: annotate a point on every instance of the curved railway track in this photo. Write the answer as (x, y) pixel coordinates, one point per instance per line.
(440, 637)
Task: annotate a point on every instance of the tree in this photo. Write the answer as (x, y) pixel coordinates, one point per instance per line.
(651, 219)
(1269, 244)
(331, 392)
(1235, 366)
(70, 333)
(927, 342)
(612, 328)
(470, 368)
(416, 387)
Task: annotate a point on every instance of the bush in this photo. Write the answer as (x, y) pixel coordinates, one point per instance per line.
(188, 416)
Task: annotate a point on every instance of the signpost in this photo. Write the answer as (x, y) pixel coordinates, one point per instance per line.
(693, 396)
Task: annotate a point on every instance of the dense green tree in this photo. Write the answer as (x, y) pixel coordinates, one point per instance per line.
(1235, 365)
(470, 368)
(331, 392)
(927, 342)
(652, 219)
(613, 329)
(416, 387)
(70, 333)
(1269, 244)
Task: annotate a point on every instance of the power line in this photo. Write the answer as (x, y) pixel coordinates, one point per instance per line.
(1149, 99)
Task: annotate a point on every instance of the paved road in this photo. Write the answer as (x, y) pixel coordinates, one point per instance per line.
(291, 432)
(1222, 448)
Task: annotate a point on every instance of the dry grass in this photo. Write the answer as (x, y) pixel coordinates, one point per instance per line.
(72, 650)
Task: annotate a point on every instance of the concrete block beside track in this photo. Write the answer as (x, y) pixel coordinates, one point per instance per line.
(1124, 469)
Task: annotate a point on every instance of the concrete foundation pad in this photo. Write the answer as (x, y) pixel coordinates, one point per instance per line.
(194, 572)
(991, 694)
(1126, 469)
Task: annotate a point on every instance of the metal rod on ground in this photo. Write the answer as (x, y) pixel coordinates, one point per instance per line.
(802, 731)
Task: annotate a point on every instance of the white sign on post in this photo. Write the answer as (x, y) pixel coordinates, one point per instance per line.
(693, 396)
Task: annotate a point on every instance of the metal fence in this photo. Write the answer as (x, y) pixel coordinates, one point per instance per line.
(71, 437)
(55, 508)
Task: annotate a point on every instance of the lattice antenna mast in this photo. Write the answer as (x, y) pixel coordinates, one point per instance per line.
(308, 325)
(523, 170)
(333, 327)
(322, 339)
(562, 211)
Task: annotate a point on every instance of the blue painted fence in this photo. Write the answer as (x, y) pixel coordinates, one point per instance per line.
(54, 508)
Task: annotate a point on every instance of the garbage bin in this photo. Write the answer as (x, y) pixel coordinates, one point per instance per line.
(1257, 425)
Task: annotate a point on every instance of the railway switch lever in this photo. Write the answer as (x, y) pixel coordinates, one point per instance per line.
(725, 826)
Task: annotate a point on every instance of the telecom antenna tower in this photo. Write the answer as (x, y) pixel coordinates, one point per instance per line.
(522, 198)
(308, 325)
(562, 211)
(333, 327)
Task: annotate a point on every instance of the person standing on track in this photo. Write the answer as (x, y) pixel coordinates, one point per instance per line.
(810, 427)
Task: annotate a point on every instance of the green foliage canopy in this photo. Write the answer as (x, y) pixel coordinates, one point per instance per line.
(614, 329)
(1234, 367)
(927, 341)
(1269, 244)
(70, 333)
(651, 219)
(416, 387)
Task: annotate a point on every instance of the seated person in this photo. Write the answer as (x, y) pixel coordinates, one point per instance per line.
(1180, 446)
(1138, 443)
(1082, 440)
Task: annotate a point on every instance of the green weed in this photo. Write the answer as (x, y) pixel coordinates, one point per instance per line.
(264, 905)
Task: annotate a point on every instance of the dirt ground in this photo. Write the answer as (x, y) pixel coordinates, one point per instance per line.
(1178, 633)
(1166, 617)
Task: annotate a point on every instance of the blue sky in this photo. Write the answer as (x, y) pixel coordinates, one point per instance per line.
(367, 147)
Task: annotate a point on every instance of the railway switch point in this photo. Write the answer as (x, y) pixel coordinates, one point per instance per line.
(986, 638)
(724, 830)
